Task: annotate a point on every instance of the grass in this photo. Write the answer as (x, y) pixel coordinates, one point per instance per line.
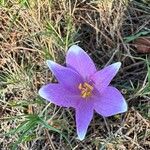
(32, 32)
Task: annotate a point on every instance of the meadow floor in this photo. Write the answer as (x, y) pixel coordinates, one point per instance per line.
(109, 31)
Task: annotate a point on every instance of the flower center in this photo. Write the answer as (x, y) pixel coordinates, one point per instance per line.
(86, 89)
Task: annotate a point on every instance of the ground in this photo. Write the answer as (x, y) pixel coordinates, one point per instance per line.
(109, 30)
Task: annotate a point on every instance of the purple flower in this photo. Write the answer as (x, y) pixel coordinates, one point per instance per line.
(84, 88)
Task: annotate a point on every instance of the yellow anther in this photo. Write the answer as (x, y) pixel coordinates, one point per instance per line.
(80, 86)
(86, 89)
(84, 95)
(88, 86)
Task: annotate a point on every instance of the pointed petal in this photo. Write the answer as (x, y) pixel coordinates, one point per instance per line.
(110, 102)
(79, 60)
(84, 114)
(103, 77)
(66, 76)
(57, 94)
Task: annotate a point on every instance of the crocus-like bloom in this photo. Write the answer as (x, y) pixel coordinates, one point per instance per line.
(84, 88)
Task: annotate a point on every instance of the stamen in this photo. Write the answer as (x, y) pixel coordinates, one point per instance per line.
(88, 86)
(80, 86)
(86, 89)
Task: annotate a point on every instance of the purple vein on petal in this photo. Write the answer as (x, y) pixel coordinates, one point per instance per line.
(66, 76)
(84, 114)
(57, 94)
(103, 77)
(79, 60)
(110, 102)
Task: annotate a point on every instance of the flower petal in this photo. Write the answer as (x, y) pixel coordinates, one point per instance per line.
(79, 60)
(103, 77)
(110, 102)
(84, 114)
(67, 76)
(57, 94)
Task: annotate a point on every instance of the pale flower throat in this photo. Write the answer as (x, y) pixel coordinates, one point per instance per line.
(86, 89)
